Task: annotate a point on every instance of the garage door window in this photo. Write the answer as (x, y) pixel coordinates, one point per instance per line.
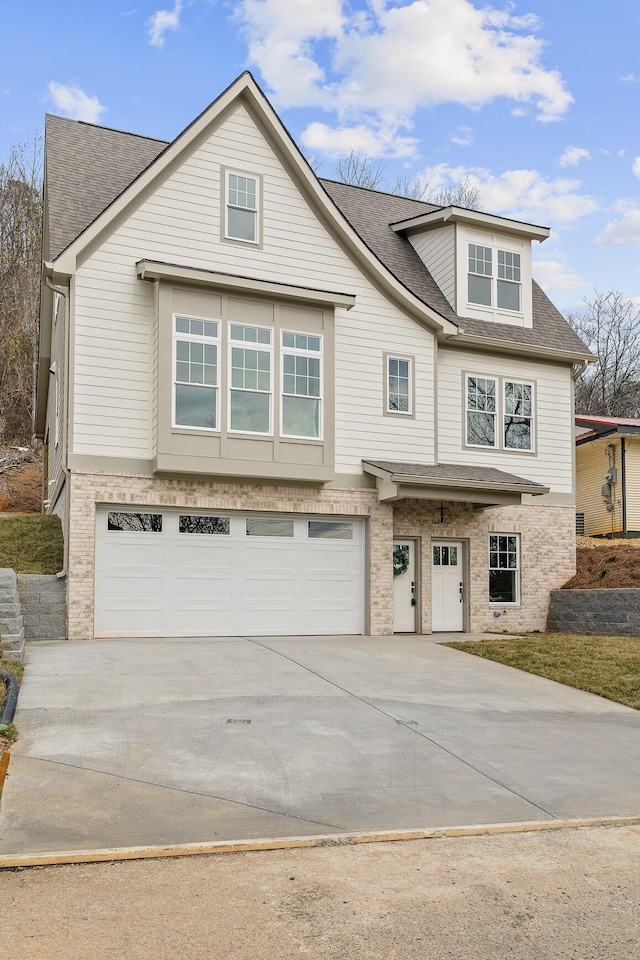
(330, 530)
(269, 528)
(199, 524)
(135, 522)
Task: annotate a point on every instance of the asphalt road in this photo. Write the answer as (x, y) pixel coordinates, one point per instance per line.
(561, 895)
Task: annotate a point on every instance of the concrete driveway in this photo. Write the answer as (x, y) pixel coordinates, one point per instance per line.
(135, 742)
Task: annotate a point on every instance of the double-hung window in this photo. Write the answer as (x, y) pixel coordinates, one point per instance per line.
(251, 378)
(481, 411)
(491, 287)
(399, 386)
(241, 207)
(195, 363)
(518, 415)
(301, 385)
(504, 568)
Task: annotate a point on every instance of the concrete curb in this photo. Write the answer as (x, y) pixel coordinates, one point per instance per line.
(286, 843)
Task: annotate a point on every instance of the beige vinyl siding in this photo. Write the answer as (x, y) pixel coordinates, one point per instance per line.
(551, 464)
(591, 465)
(632, 457)
(180, 223)
(437, 250)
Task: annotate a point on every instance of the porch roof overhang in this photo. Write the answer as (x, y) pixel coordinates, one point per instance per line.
(482, 486)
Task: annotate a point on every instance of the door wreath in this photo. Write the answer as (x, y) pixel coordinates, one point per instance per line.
(400, 560)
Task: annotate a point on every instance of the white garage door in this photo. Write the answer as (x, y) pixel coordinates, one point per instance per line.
(163, 573)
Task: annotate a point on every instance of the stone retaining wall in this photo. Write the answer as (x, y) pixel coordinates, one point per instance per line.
(613, 613)
(12, 631)
(44, 606)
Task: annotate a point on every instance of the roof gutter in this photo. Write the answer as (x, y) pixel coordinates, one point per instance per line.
(512, 346)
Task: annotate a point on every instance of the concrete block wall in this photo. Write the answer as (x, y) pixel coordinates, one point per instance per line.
(12, 632)
(613, 613)
(44, 606)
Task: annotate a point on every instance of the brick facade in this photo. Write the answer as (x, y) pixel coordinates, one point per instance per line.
(548, 553)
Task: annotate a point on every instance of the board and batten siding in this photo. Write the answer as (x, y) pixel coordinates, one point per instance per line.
(437, 250)
(180, 223)
(551, 464)
(632, 458)
(55, 451)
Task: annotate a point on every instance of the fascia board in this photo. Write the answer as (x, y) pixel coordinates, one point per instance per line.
(514, 348)
(436, 218)
(155, 270)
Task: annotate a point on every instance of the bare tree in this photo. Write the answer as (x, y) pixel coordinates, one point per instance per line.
(360, 170)
(462, 193)
(20, 246)
(416, 188)
(313, 159)
(610, 327)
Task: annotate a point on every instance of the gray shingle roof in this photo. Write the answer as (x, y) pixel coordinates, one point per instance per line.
(88, 166)
(450, 471)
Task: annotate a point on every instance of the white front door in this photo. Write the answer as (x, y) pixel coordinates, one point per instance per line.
(404, 586)
(447, 586)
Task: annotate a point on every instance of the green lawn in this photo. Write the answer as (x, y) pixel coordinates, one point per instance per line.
(31, 544)
(608, 666)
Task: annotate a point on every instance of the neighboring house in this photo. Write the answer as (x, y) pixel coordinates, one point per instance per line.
(275, 404)
(608, 476)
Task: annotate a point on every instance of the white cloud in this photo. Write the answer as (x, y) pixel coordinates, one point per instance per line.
(636, 166)
(463, 136)
(573, 155)
(164, 20)
(555, 275)
(75, 103)
(623, 231)
(630, 78)
(524, 194)
(379, 66)
(337, 141)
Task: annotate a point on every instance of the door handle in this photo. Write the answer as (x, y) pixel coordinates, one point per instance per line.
(461, 592)
(413, 593)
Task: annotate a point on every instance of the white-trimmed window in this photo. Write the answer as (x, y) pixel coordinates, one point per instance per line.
(399, 385)
(241, 207)
(301, 385)
(518, 415)
(251, 378)
(488, 287)
(504, 568)
(481, 411)
(195, 363)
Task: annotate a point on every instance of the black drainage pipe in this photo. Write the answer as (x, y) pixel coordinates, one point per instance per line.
(11, 699)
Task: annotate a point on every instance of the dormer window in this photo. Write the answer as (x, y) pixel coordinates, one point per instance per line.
(241, 207)
(489, 288)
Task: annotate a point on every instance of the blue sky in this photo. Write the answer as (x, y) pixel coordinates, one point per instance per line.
(537, 101)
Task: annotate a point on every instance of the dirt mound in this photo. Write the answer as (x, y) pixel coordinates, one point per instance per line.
(606, 566)
(20, 480)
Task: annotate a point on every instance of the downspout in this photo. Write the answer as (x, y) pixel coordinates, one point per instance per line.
(579, 369)
(623, 474)
(64, 293)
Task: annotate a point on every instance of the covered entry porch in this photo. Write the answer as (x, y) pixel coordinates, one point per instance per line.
(461, 536)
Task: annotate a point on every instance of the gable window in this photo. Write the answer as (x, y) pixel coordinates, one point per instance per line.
(195, 365)
(250, 403)
(488, 288)
(518, 415)
(481, 410)
(504, 568)
(301, 385)
(399, 385)
(241, 207)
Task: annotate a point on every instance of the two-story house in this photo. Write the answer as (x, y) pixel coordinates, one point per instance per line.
(274, 404)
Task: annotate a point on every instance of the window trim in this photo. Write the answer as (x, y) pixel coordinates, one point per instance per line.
(500, 446)
(407, 414)
(195, 338)
(481, 446)
(496, 249)
(246, 345)
(224, 225)
(518, 569)
(532, 418)
(297, 352)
